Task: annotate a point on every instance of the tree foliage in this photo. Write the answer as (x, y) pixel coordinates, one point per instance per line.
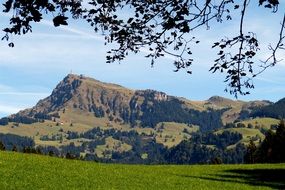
(161, 27)
(271, 150)
(249, 156)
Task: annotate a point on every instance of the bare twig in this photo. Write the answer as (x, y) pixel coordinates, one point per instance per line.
(272, 59)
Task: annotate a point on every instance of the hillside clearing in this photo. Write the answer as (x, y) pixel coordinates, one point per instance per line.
(265, 122)
(246, 133)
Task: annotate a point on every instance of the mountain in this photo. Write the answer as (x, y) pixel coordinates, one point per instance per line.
(83, 100)
(276, 110)
(79, 99)
(97, 118)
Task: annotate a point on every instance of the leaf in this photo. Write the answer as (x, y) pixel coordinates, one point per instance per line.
(185, 27)
(215, 44)
(11, 44)
(37, 16)
(222, 46)
(60, 20)
(8, 6)
(221, 52)
(224, 66)
(130, 20)
(7, 30)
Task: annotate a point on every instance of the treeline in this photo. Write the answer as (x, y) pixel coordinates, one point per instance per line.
(19, 119)
(10, 141)
(39, 117)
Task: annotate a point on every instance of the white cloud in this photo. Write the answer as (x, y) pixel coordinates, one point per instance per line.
(25, 94)
(5, 88)
(7, 109)
(268, 80)
(273, 90)
(6, 91)
(74, 31)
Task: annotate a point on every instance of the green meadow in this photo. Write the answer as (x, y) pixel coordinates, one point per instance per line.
(28, 171)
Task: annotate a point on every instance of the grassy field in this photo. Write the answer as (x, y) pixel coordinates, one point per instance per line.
(171, 134)
(262, 122)
(112, 144)
(24, 171)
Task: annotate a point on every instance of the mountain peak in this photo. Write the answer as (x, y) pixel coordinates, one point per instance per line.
(71, 75)
(215, 99)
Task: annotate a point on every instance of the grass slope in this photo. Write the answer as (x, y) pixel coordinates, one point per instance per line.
(112, 145)
(265, 122)
(247, 135)
(23, 171)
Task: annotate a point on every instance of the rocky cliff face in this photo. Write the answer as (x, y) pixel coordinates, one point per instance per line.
(58, 99)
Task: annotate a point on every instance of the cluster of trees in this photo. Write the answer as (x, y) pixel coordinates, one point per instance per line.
(57, 137)
(42, 116)
(19, 119)
(98, 111)
(10, 141)
(208, 148)
(172, 110)
(189, 152)
(271, 149)
(43, 150)
(4, 121)
(29, 119)
(220, 141)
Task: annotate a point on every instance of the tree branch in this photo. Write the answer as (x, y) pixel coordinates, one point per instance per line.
(272, 59)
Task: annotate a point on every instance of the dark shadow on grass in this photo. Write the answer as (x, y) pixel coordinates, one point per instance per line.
(273, 178)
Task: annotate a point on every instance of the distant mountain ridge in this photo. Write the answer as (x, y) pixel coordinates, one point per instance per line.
(87, 95)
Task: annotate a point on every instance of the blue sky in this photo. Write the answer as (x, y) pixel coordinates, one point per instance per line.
(30, 70)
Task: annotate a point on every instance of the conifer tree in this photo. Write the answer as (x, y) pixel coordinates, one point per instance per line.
(2, 146)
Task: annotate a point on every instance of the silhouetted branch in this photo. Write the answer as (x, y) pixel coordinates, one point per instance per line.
(159, 27)
(238, 66)
(272, 59)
